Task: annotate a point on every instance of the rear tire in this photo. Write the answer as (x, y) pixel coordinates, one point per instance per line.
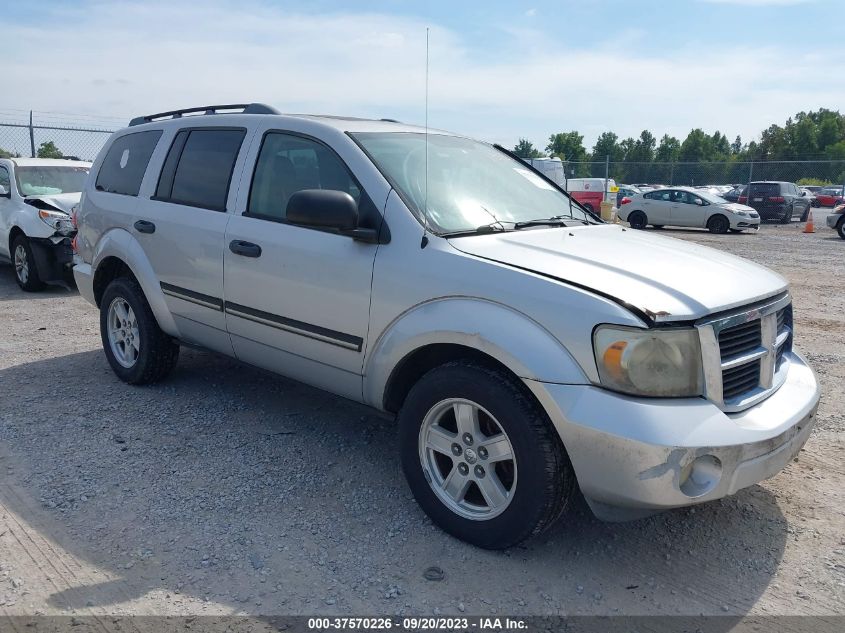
(491, 503)
(26, 270)
(786, 218)
(637, 220)
(718, 224)
(136, 348)
(840, 228)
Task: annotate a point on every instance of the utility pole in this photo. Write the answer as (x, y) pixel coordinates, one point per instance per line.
(31, 136)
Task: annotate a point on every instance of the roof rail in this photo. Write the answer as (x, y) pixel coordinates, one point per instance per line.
(245, 108)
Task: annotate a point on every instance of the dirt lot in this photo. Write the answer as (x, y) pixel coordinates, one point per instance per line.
(227, 490)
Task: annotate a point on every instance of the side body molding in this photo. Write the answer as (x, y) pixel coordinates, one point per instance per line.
(121, 244)
(510, 337)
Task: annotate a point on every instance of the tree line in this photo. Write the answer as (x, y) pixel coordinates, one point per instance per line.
(708, 158)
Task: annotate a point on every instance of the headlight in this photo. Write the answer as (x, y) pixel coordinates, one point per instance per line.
(743, 213)
(56, 220)
(658, 362)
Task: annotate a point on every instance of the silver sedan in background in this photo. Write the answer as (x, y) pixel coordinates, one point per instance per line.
(683, 206)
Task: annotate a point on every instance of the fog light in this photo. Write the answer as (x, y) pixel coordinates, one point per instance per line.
(700, 476)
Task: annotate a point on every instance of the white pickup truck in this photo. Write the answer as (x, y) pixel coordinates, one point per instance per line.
(36, 199)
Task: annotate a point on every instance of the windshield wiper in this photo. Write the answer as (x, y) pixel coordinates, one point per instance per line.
(484, 229)
(558, 220)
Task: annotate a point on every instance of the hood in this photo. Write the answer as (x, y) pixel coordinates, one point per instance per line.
(665, 278)
(735, 206)
(61, 201)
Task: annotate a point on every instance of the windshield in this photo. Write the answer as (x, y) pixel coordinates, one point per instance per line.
(470, 184)
(712, 198)
(43, 181)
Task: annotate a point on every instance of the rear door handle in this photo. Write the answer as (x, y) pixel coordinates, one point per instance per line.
(247, 249)
(143, 226)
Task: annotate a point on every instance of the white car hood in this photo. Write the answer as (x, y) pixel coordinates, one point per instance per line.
(665, 278)
(735, 207)
(62, 201)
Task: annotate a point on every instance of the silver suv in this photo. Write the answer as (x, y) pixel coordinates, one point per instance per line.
(525, 346)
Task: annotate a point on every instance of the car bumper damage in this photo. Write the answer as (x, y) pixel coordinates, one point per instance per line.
(53, 257)
(634, 457)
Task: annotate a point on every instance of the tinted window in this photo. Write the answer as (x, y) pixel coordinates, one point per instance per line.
(126, 161)
(682, 197)
(765, 189)
(287, 164)
(4, 179)
(199, 167)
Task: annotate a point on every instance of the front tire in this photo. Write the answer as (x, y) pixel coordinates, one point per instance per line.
(136, 348)
(840, 228)
(26, 270)
(481, 457)
(787, 217)
(637, 220)
(718, 224)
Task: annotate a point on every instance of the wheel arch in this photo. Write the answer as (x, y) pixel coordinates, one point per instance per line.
(14, 232)
(445, 330)
(119, 253)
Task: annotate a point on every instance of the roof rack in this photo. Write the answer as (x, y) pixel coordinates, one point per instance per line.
(245, 108)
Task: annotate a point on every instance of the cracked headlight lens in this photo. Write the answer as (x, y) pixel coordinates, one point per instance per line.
(654, 362)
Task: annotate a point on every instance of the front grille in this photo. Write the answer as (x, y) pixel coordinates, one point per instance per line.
(738, 380)
(746, 350)
(739, 339)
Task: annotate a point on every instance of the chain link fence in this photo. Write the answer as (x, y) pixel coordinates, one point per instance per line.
(728, 172)
(31, 138)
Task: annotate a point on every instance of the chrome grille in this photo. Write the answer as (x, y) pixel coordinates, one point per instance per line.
(739, 339)
(744, 352)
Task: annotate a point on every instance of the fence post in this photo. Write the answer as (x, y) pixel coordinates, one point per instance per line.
(31, 136)
(606, 175)
(750, 178)
(672, 173)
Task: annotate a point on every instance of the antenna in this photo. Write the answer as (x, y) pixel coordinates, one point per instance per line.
(424, 241)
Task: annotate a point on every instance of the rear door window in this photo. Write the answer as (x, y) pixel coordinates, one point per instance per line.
(126, 162)
(4, 179)
(198, 168)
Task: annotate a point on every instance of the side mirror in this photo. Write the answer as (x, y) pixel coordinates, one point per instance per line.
(328, 209)
(5, 193)
(803, 194)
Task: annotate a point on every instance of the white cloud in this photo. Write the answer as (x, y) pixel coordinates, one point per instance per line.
(135, 58)
(531, 13)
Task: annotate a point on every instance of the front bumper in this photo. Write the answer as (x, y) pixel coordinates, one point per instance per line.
(635, 456)
(743, 223)
(53, 257)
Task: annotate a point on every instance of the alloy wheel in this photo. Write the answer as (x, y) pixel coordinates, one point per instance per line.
(468, 459)
(124, 339)
(21, 264)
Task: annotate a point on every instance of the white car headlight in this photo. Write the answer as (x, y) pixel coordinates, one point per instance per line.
(655, 362)
(56, 220)
(743, 213)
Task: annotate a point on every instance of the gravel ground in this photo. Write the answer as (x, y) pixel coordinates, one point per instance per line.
(229, 490)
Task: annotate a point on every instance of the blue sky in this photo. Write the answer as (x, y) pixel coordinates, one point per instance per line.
(499, 70)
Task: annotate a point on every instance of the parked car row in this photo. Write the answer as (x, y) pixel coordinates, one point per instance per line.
(684, 206)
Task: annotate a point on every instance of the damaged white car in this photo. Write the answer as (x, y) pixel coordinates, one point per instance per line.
(37, 196)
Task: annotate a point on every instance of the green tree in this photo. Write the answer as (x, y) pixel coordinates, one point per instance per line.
(736, 146)
(526, 149)
(668, 149)
(567, 146)
(607, 144)
(48, 149)
(6, 154)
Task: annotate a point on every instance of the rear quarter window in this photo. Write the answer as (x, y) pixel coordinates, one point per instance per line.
(126, 162)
